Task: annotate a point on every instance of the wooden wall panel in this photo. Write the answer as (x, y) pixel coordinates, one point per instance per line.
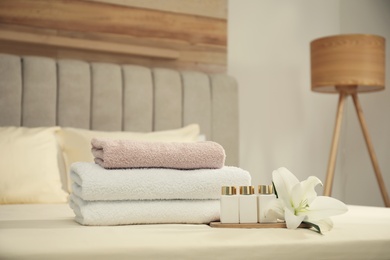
(101, 31)
(213, 8)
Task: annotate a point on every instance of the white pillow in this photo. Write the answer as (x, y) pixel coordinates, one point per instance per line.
(29, 170)
(76, 143)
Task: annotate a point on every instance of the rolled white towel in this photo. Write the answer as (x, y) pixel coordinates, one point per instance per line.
(92, 182)
(109, 213)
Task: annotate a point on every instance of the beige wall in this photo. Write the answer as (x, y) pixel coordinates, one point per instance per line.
(282, 122)
(359, 183)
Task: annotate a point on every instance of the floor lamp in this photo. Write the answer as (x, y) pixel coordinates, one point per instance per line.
(347, 65)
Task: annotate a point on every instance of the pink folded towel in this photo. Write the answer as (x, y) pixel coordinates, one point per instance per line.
(114, 154)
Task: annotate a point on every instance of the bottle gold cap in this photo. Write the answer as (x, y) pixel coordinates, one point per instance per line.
(228, 190)
(266, 189)
(247, 190)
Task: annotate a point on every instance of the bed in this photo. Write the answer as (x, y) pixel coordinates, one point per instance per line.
(39, 92)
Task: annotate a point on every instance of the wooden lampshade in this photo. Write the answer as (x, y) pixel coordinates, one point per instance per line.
(354, 61)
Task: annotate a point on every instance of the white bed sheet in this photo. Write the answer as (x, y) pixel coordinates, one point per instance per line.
(49, 232)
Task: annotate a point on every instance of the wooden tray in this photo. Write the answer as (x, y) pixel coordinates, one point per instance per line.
(253, 225)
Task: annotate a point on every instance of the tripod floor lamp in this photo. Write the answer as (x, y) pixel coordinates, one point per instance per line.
(347, 65)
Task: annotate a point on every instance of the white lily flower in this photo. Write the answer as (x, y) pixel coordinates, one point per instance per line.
(298, 201)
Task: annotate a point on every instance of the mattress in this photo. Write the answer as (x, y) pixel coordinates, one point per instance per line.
(48, 231)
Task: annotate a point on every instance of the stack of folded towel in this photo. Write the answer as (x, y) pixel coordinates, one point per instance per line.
(134, 182)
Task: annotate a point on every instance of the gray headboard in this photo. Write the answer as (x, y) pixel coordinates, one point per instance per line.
(39, 91)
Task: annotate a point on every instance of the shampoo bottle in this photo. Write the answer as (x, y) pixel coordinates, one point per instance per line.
(265, 197)
(229, 205)
(248, 205)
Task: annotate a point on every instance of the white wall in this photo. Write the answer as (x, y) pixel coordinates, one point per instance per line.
(283, 123)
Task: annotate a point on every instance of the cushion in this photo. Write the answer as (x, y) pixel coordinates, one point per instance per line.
(29, 170)
(76, 143)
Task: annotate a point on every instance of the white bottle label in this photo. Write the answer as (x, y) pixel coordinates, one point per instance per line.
(264, 201)
(248, 208)
(229, 209)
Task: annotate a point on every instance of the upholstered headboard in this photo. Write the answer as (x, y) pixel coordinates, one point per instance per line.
(38, 91)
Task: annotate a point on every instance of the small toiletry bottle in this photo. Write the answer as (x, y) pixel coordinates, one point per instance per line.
(229, 205)
(248, 205)
(265, 197)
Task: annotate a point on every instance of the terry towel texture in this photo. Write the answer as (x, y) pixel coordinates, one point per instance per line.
(93, 183)
(103, 213)
(114, 154)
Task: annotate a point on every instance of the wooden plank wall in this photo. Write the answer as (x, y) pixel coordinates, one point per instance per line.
(190, 34)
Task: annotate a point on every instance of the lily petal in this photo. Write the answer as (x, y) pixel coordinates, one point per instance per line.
(275, 209)
(324, 207)
(297, 195)
(284, 181)
(308, 187)
(292, 221)
(325, 224)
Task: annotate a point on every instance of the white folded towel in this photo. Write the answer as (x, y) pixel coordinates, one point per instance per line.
(92, 182)
(108, 213)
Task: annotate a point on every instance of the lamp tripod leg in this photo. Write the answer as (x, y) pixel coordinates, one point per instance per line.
(335, 142)
(371, 151)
